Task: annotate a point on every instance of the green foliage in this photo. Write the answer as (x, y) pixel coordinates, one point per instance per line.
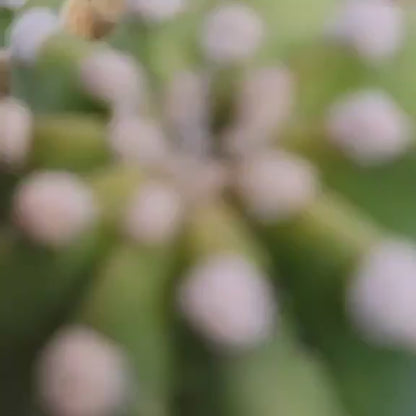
(301, 229)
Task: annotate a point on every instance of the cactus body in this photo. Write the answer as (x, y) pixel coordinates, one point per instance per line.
(207, 208)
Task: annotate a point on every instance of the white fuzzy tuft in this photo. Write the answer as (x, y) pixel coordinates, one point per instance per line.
(138, 141)
(187, 112)
(81, 373)
(114, 78)
(155, 214)
(381, 300)
(263, 107)
(54, 208)
(375, 29)
(199, 179)
(156, 10)
(267, 97)
(229, 301)
(29, 31)
(12, 4)
(15, 132)
(232, 33)
(275, 186)
(369, 127)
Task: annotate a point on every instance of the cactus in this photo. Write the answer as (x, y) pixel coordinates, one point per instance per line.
(207, 208)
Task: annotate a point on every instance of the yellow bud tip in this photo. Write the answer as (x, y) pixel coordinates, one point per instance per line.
(92, 19)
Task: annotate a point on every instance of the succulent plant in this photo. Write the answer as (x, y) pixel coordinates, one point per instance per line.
(194, 208)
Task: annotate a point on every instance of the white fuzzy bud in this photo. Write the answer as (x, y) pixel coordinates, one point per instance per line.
(375, 29)
(138, 141)
(275, 185)
(199, 179)
(114, 78)
(53, 208)
(231, 33)
(155, 10)
(15, 132)
(12, 4)
(187, 112)
(381, 300)
(264, 105)
(29, 31)
(369, 127)
(81, 373)
(155, 214)
(228, 300)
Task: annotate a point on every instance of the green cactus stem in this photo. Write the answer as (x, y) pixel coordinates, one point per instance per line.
(243, 370)
(127, 303)
(4, 72)
(6, 16)
(81, 148)
(363, 184)
(54, 84)
(219, 193)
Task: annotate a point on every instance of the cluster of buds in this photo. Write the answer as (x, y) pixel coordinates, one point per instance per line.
(193, 211)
